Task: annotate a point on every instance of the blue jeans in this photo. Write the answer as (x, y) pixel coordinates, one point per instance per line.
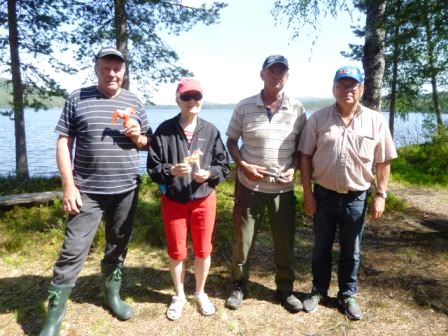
(346, 211)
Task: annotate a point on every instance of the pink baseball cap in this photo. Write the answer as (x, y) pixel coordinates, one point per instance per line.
(189, 84)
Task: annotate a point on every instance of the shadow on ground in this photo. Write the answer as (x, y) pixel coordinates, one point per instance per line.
(27, 294)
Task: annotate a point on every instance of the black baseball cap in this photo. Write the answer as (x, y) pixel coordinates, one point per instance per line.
(270, 60)
(109, 51)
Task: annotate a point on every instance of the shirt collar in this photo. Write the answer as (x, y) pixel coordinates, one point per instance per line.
(359, 110)
(285, 101)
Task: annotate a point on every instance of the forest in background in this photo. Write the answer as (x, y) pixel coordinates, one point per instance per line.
(424, 103)
(404, 51)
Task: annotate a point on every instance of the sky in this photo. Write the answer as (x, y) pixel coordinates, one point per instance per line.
(227, 57)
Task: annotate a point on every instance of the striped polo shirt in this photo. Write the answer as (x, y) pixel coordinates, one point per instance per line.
(106, 161)
(267, 142)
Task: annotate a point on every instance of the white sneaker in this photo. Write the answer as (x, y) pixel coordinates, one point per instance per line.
(204, 305)
(175, 309)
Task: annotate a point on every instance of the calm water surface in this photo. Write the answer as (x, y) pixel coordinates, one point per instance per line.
(41, 138)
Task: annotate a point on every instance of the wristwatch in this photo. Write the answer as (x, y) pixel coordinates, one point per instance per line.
(381, 194)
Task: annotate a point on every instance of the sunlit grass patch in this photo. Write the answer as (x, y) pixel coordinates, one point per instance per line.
(422, 164)
(396, 203)
(30, 226)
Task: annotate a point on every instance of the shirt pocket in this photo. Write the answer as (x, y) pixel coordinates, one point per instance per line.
(366, 147)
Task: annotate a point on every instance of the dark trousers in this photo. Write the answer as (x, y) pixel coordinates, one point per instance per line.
(346, 212)
(248, 214)
(118, 211)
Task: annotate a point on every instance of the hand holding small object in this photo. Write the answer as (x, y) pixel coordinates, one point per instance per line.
(201, 175)
(194, 158)
(180, 169)
(124, 114)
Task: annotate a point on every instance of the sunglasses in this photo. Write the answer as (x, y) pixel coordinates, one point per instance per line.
(189, 96)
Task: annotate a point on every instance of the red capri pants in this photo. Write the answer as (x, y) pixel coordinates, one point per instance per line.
(199, 215)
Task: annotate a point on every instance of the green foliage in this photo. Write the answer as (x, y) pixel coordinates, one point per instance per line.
(425, 103)
(33, 227)
(415, 54)
(223, 234)
(299, 14)
(424, 164)
(15, 185)
(151, 61)
(6, 98)
(148, 222)
(422, 102)
(40, 35)
(395, 203)
(44, 225)
(306, 13)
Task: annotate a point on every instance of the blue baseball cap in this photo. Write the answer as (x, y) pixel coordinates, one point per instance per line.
(349, 71)
(270, 60)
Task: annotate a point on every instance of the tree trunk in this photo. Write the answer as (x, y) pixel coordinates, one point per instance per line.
(395, 60)
(122, 36)
(431, 65)
(436, 102)
(17, 87)
(373, 58)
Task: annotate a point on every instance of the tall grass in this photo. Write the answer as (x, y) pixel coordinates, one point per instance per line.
(423, 164)
(12, 184)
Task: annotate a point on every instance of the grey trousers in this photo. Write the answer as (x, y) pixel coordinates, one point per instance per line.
(118, 211)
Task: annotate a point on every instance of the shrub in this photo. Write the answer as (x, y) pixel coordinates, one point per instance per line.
(424, 164)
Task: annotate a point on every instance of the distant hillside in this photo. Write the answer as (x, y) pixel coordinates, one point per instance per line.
(310, 104)
(207, 104)
(424, 103)
(314, 104)
(6, 96)
(5, 93)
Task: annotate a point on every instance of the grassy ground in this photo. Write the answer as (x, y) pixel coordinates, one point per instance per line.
(403, 277)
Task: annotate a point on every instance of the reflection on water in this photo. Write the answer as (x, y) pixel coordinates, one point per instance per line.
(41, 138)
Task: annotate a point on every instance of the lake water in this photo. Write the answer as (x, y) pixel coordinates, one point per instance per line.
(41, 138)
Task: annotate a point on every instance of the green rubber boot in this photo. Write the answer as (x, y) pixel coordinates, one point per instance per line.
(112, 275)
(57, 306)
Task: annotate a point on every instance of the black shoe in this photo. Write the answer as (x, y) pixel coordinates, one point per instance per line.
(235, 300)
(289, 301)
(311, 302)
(351, 307)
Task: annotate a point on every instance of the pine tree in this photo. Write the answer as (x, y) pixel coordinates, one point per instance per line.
(29, 29)
(300, 13)
(133, 27)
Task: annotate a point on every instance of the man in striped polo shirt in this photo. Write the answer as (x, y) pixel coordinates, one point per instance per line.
(269, 125)
(103, 183)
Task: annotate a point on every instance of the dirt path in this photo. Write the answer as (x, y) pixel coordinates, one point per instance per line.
(428, 201)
